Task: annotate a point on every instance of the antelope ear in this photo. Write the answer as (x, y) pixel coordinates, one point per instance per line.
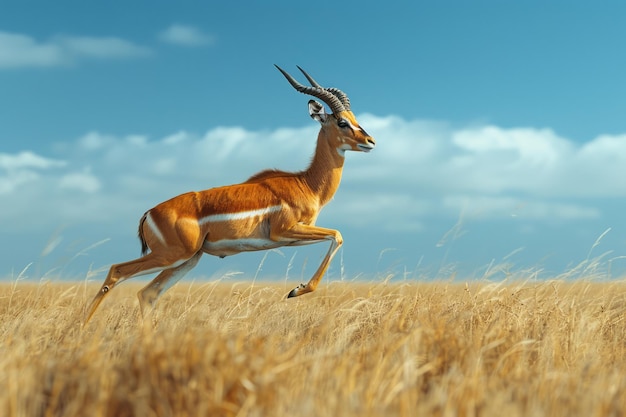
(316, 111)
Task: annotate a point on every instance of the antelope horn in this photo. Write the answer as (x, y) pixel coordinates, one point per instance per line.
(341, 96)
(337, 92)
(328, 97)
(311, 80)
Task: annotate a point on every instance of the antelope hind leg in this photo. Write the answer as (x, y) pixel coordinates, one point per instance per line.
(164, 281)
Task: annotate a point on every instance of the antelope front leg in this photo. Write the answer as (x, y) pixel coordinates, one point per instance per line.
(303, 235)
(321, 270)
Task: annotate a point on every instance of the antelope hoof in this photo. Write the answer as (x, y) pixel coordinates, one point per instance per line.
(296, 291)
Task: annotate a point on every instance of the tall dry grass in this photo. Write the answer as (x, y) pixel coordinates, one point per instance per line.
(219, 349)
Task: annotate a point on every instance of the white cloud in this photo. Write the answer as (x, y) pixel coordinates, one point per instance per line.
(22, 168)
(27, 159)
(164, 166)
(490, 208)
(420, 170)
(20, 51)
(537, 147)
(185, 35)
(10, 183)
(94, 141)
(176, 138)
(100, 48)
(491, 160)
(80, 181)
(383, 211)
(23, 51)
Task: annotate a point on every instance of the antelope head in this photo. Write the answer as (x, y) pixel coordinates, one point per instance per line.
(341, 125)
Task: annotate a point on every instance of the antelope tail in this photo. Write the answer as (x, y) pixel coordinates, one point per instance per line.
(142, 239)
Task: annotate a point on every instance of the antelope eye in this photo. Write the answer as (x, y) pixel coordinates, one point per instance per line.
(342, 123)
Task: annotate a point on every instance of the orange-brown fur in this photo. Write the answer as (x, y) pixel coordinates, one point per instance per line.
(176, 236)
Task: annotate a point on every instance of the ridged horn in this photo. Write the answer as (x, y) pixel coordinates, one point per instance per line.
(341, 96)
(326, 95)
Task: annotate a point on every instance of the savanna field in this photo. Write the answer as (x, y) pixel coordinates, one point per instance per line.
(533, 348)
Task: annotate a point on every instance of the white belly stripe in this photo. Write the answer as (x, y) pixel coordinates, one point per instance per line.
(238, 216)
(242, 245)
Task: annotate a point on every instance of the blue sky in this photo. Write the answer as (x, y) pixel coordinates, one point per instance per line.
(500, 129)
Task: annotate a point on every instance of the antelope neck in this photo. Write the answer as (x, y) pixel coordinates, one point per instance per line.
(324, 174)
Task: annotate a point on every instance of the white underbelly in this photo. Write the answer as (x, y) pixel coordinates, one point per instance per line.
(226, 247)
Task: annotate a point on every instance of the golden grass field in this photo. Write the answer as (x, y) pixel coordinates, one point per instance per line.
(538, 348)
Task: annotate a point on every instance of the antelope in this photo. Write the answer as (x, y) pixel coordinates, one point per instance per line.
(271, 209)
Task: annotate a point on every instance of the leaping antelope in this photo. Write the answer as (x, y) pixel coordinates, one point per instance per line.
(271, 209)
